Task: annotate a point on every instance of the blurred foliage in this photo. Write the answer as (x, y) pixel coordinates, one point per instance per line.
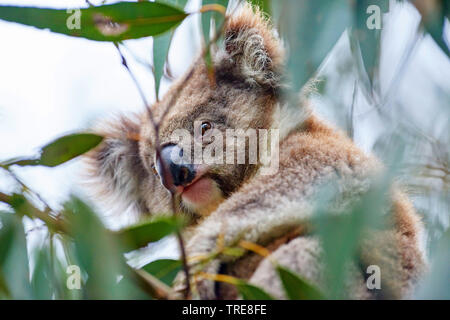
(76, 236)
(297, 288)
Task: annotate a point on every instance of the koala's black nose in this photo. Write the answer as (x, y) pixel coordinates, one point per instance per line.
(180, 170)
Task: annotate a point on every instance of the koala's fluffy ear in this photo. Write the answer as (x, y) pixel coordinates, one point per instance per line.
(115, 170)
(252, 50)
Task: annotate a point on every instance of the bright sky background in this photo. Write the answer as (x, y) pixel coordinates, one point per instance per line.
(51, 84)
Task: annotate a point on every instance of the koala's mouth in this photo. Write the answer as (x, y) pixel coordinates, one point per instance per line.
(198, 191)
(203, 195)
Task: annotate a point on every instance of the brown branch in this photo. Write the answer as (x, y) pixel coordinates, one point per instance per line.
(5, 198)
(48, 216)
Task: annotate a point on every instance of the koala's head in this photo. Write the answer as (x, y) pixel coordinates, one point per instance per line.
(243, 96)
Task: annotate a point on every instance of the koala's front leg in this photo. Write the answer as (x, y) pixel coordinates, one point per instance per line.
(258, 213)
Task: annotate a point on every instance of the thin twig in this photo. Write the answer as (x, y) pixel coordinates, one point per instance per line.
(352, 111)
(155, 126)
(138, 59)
(163, 167)
(155, 287)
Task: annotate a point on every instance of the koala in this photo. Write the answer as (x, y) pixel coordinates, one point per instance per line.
(229, 202)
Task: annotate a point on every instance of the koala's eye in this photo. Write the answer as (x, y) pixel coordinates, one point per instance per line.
(205, 127)
(155, 172)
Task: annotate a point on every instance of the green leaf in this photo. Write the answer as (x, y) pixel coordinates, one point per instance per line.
(251, 292)
(180, 4)
(68, 147)
(164, 269)
(41, 280)
(297, 288)
(113, 22)
(61, 150)
(446, 8)
(161, 46)
(6, 235)
(311, 29)
(212, 16)
(14, 258)
(99, 255)
(141, 234)
(433, 18)
(341, 233)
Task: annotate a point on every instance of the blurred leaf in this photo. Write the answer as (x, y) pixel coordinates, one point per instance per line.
(161, 46)
(99, 255)
(6, 235)
(164, 269)
(251, 292)
(365, 42)
(263, 5)
(14, 257)
(341, 233)
(433, 18)
(41, 280)
(4, 291)
(311, 29)
(113, 22)
(212, 17)
(141, 234)
(208, 19)
(446, 8)
(248, 291)
(436, 284)
(61, 150)
(297, 288)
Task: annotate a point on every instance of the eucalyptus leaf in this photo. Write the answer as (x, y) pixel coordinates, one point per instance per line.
(112, 22)
(60, 151)
(297, 288)
(311, 29)
(14, 271)
(41, 280)
(141, 234)
(251, 292)
(211, 17)
(164, 269)
(99, 255)
(161, 45)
